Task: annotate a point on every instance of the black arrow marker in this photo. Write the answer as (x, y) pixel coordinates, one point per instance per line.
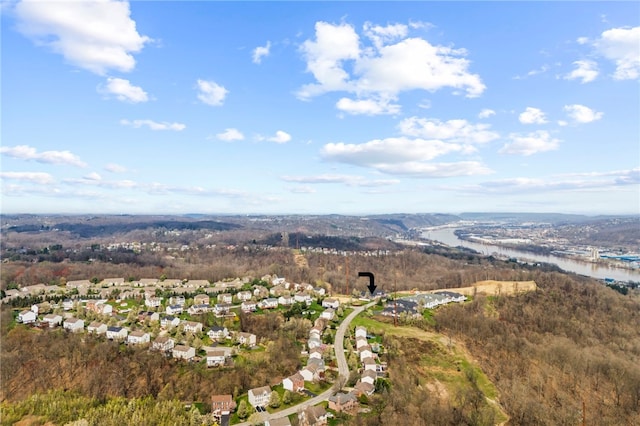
(372, 285)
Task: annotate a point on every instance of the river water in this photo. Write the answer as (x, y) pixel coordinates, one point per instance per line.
(447, 236)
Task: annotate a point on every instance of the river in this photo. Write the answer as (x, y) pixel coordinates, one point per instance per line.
(447, 236)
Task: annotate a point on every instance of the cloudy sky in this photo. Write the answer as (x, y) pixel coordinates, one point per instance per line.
(352, 108)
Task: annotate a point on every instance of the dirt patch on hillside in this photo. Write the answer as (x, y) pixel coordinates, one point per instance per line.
(300, 260)
(496, 288)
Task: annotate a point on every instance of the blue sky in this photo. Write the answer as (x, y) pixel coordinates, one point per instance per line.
(327, 107)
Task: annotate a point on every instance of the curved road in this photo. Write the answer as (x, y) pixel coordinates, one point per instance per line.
(343, 370)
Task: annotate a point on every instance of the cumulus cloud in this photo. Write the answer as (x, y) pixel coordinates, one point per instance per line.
(486, 113)
(95, 35)
(529, 144)
(261, 52)
(230, 135)
(582, 114)
(622, 46)
(454, 130)
(25, 152)
(154, 125)
(211, 93)
(436, 170)
(123, 90)
(349, 180)
(389, 64)
(367, 106)
(280, 137)
(302, 190)
(586, 71)
(33, 177)
(115, 168)
(532, 116)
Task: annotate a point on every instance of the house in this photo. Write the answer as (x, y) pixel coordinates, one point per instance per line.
(278, 290)
(222, 405)
(331, 303)
(110, 282)
(99, 307)
(303, 298)
(201, 299)
(315, 353)
(218, 333)
(286, 300)
(27, 317)
(329, 314)
(117, 333)
(183, 352)
(270, 303)
(343, 402)
(260, 292)
(177, 300)
(215, 358)
(138, 338)
(192, 326)
(319, 291)
(163, 344)
(313, 343)
(247, 339)
(361, 342)
(369, 364)
(244, 296)
(67, 304)
(315, 332)
(174, 309)
(200, 308)
(365, 352)
(74, 325)
(294, 383)
(361, 332)
(369, 376)
(225, 298)
(168, 321)
(153, 302)
(313, 416)
(318, 364)
(248, 306)
(221, 309)
(53, 320)
(364, 388)
(259, 397)
(97, 328)
(310, 373)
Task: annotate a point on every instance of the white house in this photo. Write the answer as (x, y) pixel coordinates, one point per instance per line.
(74, 325)
(248, 306)
(163, 343)
(218, 333)
(169, 321)
(27, 317)
(369, 376)
(97, 328)
(117, 333)
(221, 308)
(365, 352)
(153, 302)
(313, 343)
(361, 332)
(303, 298)
(259, 397)
(138, 338)
(199, 309)
(177, 300)
(225, 298)
(247, 339)
(270, 303)
(215, 358)
(183, 352)
(192, 326)
(67, 304)
(174, 309)
(201, 299)
(285, 300)
(320, 291)
(294, 383)
(369, 364)
(244, 296)
(329, 314)
(315, 353)
(360, 342)
(53, 320)
(331, 303)
(310, 373)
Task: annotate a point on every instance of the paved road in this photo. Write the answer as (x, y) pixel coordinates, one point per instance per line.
(343, 370)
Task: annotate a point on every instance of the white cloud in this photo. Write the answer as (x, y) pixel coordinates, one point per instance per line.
(230, 135)
(261, 52)
(280, 137)
(340, 61)
(124, 90)
(93, 176)
(582, 114)
(115, 168)
(586, 71)
(436, 170)
(34, 177)
(486, 113)
(582, 40)
(367, 106)
(532, 116)
(211, 93)
(454, 130)
(94, 35)
(154, 125)
(530, 144)
(621, 45)
(25, 152)
(302, 190)
(349, 180)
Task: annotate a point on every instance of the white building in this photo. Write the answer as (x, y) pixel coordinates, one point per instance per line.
(259, 397)
(74, 325)
(138, 338)
(27, 317)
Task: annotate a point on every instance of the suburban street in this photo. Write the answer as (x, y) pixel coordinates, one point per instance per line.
(343, 370)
